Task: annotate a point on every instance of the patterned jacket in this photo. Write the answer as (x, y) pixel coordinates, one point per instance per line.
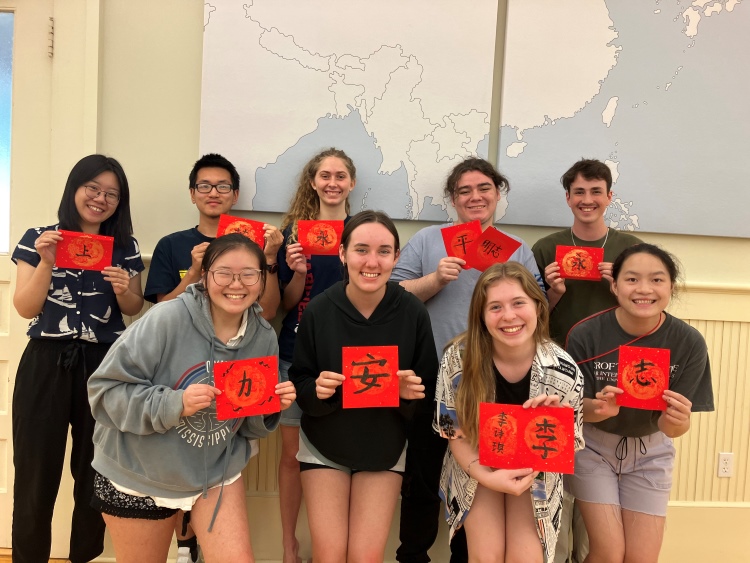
(553, 371)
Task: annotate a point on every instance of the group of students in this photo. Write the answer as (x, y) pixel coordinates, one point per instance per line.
(154, 457)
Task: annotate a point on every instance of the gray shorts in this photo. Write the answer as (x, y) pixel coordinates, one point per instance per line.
(633, 473)
(290, 416)
(310, 457)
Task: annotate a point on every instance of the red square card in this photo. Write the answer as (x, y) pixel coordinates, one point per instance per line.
(248, 387)
(251, 229)
(511, 437)
(82, 251)
(371, 379)
(579, 262)
(320, 237)
(643, 375)
(458, 239)
(492, 247)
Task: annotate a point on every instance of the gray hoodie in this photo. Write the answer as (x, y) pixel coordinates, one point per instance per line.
(140, 440)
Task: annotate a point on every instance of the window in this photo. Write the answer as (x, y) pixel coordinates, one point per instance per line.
(6, 87)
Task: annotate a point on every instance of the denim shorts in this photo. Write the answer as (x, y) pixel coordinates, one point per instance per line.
(291, 415)
(633, 473)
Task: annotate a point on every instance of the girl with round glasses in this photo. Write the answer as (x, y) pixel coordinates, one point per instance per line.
(323, 194)
(76, 316)
(159, 445)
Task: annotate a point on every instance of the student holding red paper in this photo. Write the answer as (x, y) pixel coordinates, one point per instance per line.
(507, 357)
(159, 446)
(588, 194)
(624, 475)
(322, 194)
(352, 460)
(214, 186)
(444, 284)
(77, 315)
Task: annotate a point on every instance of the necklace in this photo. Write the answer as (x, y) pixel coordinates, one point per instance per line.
(576, 244)
(658, 324)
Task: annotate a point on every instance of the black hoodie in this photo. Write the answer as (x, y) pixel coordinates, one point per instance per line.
(367, 439)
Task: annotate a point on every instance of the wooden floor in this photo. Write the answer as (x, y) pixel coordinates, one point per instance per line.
(5, 557)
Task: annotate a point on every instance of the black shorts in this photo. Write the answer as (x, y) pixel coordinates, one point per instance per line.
(109, 500)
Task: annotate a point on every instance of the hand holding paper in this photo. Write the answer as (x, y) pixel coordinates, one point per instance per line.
(46, 246)
(605, 403)
(325, 385)
(410, 385)
(197, 396)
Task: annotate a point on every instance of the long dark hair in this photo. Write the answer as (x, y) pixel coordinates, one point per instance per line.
(119, 225)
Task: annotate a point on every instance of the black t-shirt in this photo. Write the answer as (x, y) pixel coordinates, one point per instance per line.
(507, 393)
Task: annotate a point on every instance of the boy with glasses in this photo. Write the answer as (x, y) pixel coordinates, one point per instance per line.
(214, 189)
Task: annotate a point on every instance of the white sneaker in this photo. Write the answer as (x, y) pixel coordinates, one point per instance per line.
(183, 555)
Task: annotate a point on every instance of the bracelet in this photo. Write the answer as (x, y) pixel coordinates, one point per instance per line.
(468, 467)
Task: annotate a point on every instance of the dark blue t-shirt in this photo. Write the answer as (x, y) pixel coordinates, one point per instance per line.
(171, 261)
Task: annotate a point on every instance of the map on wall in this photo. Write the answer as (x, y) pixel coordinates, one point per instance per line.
(403, 87)
(657, 89)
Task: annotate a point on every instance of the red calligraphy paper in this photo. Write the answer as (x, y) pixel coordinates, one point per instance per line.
(251, 229)
(458, 239)
(320, 237)
(82, 251)
(643, 375)
(492, 247)
(579, 262)
(248, 387)
(542, 438)
(371, 379)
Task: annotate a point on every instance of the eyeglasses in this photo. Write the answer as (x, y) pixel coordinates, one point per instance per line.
(206, 188)
(248, 276)
(112, 198)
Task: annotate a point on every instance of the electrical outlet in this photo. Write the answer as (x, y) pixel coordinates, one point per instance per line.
(726, 464)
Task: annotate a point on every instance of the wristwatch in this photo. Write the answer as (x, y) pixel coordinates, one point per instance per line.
(272, 268)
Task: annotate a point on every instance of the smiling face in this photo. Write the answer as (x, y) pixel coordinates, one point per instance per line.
(94, 211)
(643, 287)
(231, 301)
(475, 198)
(369, 258)
(510, 315)
(332, 182)
(588, 200)
(213, 204)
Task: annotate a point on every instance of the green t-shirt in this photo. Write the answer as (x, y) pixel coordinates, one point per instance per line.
(582, 298)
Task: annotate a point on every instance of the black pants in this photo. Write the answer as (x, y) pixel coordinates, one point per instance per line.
(50, 395)
(420, 502)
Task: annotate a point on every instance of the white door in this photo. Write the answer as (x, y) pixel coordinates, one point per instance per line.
(30, 204)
